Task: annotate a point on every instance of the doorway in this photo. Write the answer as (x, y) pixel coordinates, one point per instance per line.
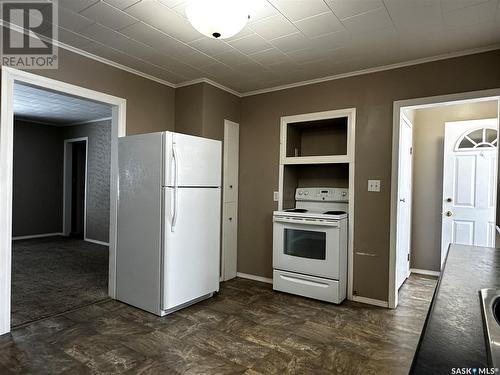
(404, 201)
(425, 190)
(469, 183)
(75, 188)
(10, 78)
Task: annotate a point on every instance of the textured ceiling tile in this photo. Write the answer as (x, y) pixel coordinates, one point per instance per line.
(250, 44)
(51, 107)
(367, 22)
(76, 5)
(108, 15)
(73, 21)
(273, 27)
(269, 56)
(210, 46)
(349, 8)
(321, 24)
(291, 43)
(121, 4)
(296, 10)
(165, 19)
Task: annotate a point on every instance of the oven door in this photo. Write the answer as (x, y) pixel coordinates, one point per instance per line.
(306, 246)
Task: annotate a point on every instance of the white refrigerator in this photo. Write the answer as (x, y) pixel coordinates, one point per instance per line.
(169, 213)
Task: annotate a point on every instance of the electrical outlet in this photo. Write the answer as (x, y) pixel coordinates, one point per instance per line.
(276, 196)
(374, 185)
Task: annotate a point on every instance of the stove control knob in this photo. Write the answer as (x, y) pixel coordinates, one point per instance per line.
(306, 193)
(300, 193)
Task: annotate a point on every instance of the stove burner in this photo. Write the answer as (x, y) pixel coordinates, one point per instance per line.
(298, 210)
(334, 213)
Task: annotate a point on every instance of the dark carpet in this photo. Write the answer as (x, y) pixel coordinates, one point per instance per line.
(56, 274)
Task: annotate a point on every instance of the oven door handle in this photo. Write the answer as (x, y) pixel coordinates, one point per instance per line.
(280, 219)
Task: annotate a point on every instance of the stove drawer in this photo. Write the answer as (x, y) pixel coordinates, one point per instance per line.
(309, 286)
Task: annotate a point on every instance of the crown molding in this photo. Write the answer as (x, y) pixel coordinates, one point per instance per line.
(270, 89)
(210, 82)
(374, 70)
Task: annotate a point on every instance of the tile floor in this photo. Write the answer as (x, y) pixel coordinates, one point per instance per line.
(246, 329)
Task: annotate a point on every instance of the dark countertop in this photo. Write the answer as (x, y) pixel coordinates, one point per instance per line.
(453, 333)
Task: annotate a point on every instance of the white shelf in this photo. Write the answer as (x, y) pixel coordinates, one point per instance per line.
(315, 160)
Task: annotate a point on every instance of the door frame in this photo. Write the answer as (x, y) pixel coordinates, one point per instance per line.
(67, 188)
(398, 107)
(404, 118)
(224, 254)
(118, 129)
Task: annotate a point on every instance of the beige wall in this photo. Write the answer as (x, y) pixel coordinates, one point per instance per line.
(150, 105)
(373, 96)
(189, 109)
(428, 142)
(202, 108)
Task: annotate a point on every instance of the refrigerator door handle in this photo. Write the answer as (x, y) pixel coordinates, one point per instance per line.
(176, 179)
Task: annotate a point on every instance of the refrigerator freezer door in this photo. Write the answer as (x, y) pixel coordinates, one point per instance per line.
(139, 257)
(198, 161)
(192, 251)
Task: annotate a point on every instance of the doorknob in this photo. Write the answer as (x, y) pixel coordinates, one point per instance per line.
(230, 219)
(449, 200)
(448, 213)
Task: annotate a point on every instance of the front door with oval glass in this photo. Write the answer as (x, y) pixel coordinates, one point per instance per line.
(469, 183)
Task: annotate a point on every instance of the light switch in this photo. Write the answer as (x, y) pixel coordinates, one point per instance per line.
(374, 185)
(276, 196)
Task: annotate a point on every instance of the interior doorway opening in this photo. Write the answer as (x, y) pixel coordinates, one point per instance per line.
(444, 188)
(42, 267)
(75, 188)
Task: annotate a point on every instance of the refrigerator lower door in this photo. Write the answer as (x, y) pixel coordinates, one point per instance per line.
(192, 161)
(139, 228)
(192, 248)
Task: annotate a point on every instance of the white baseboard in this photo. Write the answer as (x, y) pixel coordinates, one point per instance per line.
(97, 242)
(424, 272)
(36, 236)
(370, 301)
(254, 277)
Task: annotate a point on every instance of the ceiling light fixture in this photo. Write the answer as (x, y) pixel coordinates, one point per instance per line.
(218, 19)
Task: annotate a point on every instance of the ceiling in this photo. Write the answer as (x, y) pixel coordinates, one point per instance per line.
(286, 41)
(40, 105)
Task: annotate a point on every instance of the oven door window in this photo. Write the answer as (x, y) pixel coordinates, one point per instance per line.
(305, 243)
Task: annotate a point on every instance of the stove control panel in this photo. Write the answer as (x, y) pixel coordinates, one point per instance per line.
(322, 194)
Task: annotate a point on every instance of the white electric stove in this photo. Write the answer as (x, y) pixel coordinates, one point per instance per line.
(310, 245)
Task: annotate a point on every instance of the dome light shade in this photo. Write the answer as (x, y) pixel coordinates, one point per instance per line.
(219, 19)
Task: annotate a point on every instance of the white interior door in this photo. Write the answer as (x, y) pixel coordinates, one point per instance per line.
(469, 183)
(230, 200)
(403, 231)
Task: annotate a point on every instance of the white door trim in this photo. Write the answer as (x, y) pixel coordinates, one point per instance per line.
(431, 101)
(224, 254)
(67, 186)
(118, 129)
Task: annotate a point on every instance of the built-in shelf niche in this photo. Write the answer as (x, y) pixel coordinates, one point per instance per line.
(322, 137)
(326, 137)
(312, 175)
